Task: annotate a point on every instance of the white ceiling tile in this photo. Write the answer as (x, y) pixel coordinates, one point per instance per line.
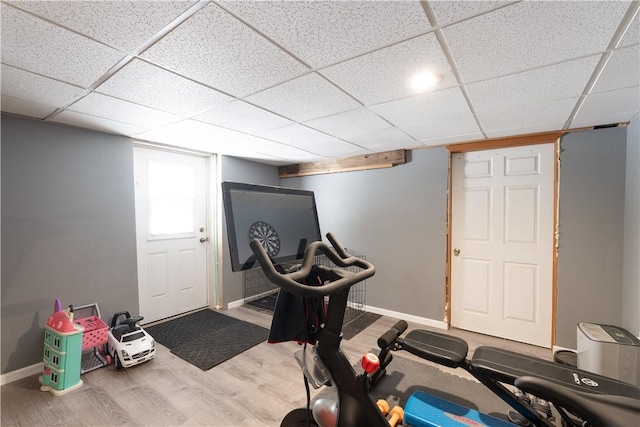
(531, 34)
(452, 11)
(239, 115)
(142, 83)
(604, 108)
(99, 105)
(351, 123)
(307, 97)
(454, 139)
(383, 75)
(568, 79)
(527, 118)
(296, 135)
(98, 123)
(161, 137)
(622, 70)
(325, 32)
(632, 36)
(424, 108)
(309, 140)
(384, 139)
(200, 130)
(528, 129)
(121, 24)
(33, 87)
(215, 48)
(25, 108)
(38, 46)
(449, 126)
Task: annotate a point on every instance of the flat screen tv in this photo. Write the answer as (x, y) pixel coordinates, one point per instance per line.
(284, 220)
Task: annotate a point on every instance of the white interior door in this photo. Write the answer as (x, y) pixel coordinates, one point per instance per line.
(171, 228)
(502, 242)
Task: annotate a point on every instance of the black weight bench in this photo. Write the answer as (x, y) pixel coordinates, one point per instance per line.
(495, 367)
(506, 366)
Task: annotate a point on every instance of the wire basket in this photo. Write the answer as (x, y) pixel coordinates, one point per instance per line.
(95, 332)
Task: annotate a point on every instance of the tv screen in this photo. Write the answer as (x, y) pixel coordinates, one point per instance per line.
(284, 220)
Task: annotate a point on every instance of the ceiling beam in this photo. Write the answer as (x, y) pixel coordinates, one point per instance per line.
(386, 159)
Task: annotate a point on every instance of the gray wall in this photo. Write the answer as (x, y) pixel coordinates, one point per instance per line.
(591, 225)
(68, 229)
(631, 267)
(238, 170)
(396, 218)
(388, 214)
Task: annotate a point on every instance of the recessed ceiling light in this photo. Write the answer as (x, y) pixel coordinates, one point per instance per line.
(424, 80)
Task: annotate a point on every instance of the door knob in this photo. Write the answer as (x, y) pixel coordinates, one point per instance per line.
(456, 251)
(203, 239)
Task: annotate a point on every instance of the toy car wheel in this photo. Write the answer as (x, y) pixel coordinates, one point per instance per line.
(116, 359)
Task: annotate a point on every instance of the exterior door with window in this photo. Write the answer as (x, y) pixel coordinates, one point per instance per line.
(171, 200)
(502, 233)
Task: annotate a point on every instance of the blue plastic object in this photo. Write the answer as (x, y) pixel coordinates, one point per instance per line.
(425, 410)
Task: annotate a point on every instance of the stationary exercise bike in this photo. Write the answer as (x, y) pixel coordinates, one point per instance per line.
(355, 406)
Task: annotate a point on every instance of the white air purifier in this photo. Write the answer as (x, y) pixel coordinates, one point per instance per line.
(610, 351)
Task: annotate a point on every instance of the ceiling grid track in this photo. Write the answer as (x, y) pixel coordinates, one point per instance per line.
(433, 20)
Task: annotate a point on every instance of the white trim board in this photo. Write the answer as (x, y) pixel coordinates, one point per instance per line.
(376, 310)
(21, 373)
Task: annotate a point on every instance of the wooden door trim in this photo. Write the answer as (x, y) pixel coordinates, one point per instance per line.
(543, 138)
(507, 142)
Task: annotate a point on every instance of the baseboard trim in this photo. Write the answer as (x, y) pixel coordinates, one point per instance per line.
(21, 373)
(234, 304)
(408, 317)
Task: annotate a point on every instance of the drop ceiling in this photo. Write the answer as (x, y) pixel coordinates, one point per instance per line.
(285, 82)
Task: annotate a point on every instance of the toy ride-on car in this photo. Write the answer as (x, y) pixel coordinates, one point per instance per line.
(128, 344)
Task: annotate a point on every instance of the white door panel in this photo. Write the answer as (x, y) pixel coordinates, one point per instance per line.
(502, 233)
(170, 221)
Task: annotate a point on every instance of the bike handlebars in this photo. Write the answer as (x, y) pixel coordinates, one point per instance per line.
(292, 282)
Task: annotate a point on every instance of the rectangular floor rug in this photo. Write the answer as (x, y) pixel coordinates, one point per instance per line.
(353, 326)
(207, 338)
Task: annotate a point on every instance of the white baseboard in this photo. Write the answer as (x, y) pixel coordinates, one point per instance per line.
(408, 317)
(21, 373)
(395, 314)
(234, 304)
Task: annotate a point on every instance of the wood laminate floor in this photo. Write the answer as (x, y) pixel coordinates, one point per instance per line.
(255, 388)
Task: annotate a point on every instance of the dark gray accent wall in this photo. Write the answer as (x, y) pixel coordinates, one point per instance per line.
(239, 170)
(591, 226)
(631, 267)
(68, 229)
(397, 218)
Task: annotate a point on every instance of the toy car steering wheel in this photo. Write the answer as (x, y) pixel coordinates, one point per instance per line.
(131, 322)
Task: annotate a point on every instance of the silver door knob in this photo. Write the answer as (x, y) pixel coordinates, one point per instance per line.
(456, 251)
(203, 239)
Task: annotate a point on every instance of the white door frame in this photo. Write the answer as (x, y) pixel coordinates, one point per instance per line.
(550, 137)
(213, 217)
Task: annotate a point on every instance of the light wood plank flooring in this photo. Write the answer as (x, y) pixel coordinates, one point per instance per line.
(256, 388)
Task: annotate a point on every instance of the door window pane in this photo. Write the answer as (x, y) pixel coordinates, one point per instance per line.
(171, 200)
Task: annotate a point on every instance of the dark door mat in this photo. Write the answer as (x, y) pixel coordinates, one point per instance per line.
(206, 338)
(266, 303)
(359, 324)
(176, 332)
(218, 346)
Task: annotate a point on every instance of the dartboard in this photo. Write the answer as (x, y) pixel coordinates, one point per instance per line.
(266, 235)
